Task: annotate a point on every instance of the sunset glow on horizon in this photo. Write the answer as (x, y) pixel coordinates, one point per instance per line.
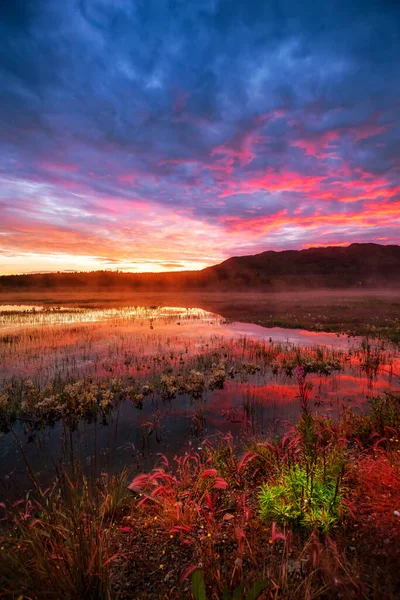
(165, 135)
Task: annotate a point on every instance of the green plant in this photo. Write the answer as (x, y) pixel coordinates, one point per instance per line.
(199, 589)
(198, 585)
(302, 501)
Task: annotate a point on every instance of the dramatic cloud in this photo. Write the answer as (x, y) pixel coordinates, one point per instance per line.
(167, 134)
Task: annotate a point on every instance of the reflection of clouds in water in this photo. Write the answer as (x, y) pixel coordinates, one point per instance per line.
(293, 336)
(24, 315)
(141, 343)
(172, 317)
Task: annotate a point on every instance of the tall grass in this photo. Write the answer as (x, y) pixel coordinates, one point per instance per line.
(62, 543)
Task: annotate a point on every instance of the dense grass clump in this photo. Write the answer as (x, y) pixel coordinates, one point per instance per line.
(379, 426)
(62, 542)
(302, 501)
(306, 491)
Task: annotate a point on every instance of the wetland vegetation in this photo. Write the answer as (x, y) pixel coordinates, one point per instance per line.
(151, 451)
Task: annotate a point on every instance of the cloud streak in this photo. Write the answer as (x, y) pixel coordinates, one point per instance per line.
(167, 135)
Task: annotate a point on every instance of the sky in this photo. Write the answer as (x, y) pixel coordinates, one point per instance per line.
(152, 135)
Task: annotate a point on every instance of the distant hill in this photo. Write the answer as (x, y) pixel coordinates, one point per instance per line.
(368, 265)
(354, 266)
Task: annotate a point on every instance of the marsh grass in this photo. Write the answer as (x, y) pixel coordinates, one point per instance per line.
(379, 426)
(83, 539)
(281, 510)
(62, 541)
(75, 393)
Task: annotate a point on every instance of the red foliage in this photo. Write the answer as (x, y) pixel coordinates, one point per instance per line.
(377, 494)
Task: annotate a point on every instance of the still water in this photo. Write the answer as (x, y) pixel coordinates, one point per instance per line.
(140, 344)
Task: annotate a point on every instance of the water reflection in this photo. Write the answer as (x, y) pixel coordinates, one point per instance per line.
(19, 308)
(137, 346)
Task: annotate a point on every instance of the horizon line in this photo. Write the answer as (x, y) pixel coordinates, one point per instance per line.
(119, 271)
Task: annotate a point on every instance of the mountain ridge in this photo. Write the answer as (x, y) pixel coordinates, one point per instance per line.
(367, 265)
